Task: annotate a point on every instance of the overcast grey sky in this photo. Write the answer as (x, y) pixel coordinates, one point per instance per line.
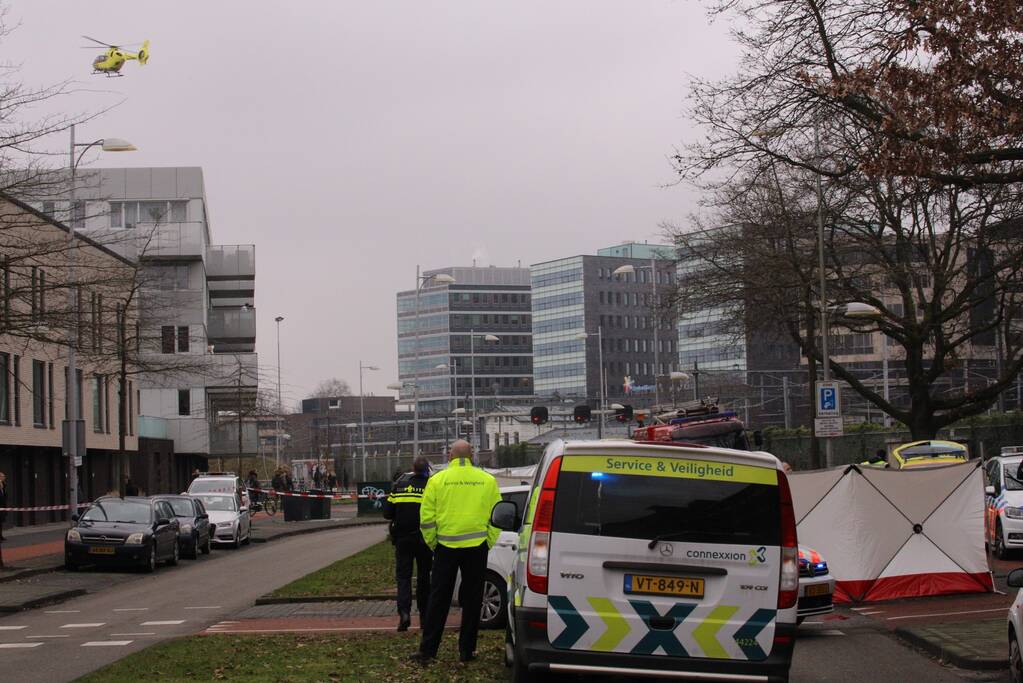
(350, 141)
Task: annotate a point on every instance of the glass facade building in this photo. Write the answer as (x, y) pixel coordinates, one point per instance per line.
(481, 302)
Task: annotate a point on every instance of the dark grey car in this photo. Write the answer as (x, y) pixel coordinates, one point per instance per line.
(195, 529)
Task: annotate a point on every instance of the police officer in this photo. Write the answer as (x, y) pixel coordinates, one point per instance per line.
(402, 508)
(455, 521)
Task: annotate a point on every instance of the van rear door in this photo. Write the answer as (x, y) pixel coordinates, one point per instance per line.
(653, 554)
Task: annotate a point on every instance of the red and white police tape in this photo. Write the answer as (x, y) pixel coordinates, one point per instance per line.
(43, 508)
(335, 496)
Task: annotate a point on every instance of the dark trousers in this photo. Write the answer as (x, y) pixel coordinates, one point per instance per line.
(447, 562)
(406, 551)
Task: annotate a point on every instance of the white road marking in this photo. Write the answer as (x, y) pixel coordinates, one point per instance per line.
(829, 632)
(162, 623)
(107, 643)
(130, 609)
(858, 609)
(206, 607)
(38, 637)
(11, 646)
(62, 611)
(150, 633)
(92, 625)
(867, 614)
(12, 628)
(313, 630)
(943, 614)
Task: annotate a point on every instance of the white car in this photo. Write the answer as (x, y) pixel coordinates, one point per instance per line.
(1003, 514)
(219, 482)
(233, 525)
(500, 565)
(1015, 580)
(816, 585)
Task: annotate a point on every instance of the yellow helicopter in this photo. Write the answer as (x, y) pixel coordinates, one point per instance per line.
(113, 59)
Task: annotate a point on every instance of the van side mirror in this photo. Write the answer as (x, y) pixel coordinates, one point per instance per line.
(1015, 578)
(505, 516)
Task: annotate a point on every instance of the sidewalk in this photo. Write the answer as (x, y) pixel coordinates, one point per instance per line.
(980, 645)
(354, 615)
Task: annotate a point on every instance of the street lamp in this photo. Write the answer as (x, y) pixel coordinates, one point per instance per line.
(71, 445)
(362, 410)
(583, 336)
(859, 310)
(631, 269)
(421, 281)
(677, 376)
(277, 441)
(472, 362)
(454, 393)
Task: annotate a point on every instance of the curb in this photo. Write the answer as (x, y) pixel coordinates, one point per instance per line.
(323, 598)
(45, 600)
(313, 530)
(953, 658)
(25, 573)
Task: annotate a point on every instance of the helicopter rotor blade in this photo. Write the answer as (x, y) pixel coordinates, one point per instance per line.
(99, 41)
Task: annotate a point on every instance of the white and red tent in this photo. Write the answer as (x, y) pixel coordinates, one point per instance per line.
(889, 534)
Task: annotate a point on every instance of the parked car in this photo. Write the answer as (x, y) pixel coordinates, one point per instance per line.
(233, 526)
(220, 482)
(1003, 504)
(500, 564)
(195, 529)
(1015, 580)
(131, 531)
(816, 585)
(667, 541)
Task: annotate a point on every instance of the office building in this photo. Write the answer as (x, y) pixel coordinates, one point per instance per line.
(457, 321)
(582, 295)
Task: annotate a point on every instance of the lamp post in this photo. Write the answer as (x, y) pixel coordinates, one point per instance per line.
(362, 410)
(599, 334)
(71, 445)
(421, 281)
(454, 393)
(627, 269)
(472, 363)
(823, 297)
(277, 441)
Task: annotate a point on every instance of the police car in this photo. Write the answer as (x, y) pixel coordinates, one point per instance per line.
(1003, 518)
(816, 585)
(647, 559)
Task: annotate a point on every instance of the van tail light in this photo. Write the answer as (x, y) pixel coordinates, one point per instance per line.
(540, 538)
(788, 585)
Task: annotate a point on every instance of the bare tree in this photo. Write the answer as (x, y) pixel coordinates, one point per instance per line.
(331, 388)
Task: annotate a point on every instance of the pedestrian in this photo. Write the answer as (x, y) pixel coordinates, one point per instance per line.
(331, 481)
(129, 487)
(455, 523)
(402, 508)
(3, 503)
(289, 483)
(277, 482)
(253, 486)
(317, 477)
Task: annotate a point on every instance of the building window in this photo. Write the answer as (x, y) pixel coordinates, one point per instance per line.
(5, 388)
(42, 294)
(49, 393)
(131, 409)
(183, 339)
(97, 404)
(184, 402)
(49, 208)
(38, 393)
(167, 339)
(17, 390)
(600, 296)
(34, 293)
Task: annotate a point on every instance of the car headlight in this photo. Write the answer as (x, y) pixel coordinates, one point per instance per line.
(135, 539)
(1014, 513)
(186, 528)
(74, 536)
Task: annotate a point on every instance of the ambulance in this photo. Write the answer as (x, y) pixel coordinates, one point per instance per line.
(673, 560)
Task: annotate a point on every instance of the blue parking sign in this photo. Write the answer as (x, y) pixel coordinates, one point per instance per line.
(827, 399)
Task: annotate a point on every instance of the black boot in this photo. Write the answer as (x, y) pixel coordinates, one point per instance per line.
(404, 621)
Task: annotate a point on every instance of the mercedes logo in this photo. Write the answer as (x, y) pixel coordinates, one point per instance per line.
(667, 549)
(102, 538)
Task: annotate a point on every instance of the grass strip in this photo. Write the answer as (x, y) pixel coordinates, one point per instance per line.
(290, 658)
(370, 572)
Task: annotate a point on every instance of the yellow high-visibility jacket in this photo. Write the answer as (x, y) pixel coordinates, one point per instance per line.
(456, 507)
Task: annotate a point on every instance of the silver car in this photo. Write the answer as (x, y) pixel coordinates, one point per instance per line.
(233, 525)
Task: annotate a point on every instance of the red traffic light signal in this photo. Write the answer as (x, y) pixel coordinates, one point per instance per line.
(539, 415)
(623, 414)
(581, 414)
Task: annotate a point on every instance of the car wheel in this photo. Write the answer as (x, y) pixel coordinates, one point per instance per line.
(176, 554)
(206, 546)
(194, 552)
(248, 537)
(493, 612)
(1015, 658)
(69, 564)
(150, 565)
(1001, 552)
(237, 542)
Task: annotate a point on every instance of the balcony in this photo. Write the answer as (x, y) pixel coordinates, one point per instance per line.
(170, 241)
(224, 437)
(225, 370)
(232, 329)
(231, 262)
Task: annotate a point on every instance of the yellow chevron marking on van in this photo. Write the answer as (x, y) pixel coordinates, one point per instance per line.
(705, 634)
(617, 627)
(676, 468)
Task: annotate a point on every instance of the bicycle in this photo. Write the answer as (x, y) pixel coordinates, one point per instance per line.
(261, 501)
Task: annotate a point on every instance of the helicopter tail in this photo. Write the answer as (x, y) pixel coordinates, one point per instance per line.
(143, 56)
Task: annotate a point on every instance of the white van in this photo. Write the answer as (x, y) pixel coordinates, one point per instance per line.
(638, 559)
